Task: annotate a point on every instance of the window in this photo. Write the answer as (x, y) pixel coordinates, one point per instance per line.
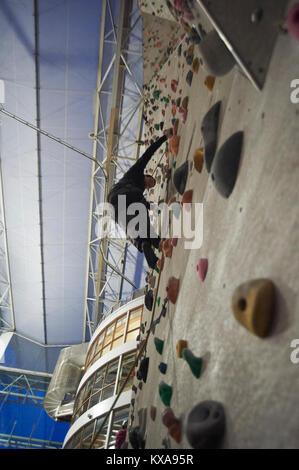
(118, 418)
(126, 366)
(115, 334)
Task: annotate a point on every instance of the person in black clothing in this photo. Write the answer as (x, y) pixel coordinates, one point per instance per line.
(133, 185)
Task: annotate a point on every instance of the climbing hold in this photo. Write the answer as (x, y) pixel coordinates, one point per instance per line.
(216, 58)
(189, 59)
(168, 417)
(175, 127)
(176, 431)
(257, 15)
(181, 344)
(149, 299)
(198, 159)
(195, 363)
(226, 165)
(174, 241)
(172, 289)
(195, 65)
(185, 102)
(180, 177)
(140, 385)
(134, 388)
(209, 129)
(194, 36)
(156, 94)
(134, 437)
(209, 82)
(153, 412)
(160, 263)
(162, 367)
(158, 301)
(189, 77)
(174, 143)
(205, 425)
(159, 344)
(173, 424)
(292, 21)
(202, 267)
(174, 85)
(165, 392)
(253, 305)
(143, 368)
(167, 248)
(187, 200)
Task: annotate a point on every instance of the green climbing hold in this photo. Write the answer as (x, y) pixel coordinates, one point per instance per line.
(158, 301)
(195, 363)
(165, 99)
(165, 392)
(156, 94)
(159, 345)
(174, 164)
(157, 127)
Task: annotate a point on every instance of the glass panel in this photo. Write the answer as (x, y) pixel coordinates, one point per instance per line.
(111, 372)
(109, 334)
(106, 349)
(95, 399)
(87, 435)
(132, 335)
(100, 342)
(118, 418)
(99, 439)
(108, 392)
(117, 342)
(120, 326)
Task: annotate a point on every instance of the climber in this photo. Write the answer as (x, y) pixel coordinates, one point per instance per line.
(121, 435)
(132, 185)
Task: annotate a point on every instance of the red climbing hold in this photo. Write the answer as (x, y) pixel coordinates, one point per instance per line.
(293, 21)
(202, 268)
(172, 289)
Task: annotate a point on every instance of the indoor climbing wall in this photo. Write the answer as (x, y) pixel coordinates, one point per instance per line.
(160, 37)
(215, 367)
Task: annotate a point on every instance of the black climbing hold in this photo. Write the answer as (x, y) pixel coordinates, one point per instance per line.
(194, 36)
(149, 299)
(180, 177)
(189, 77)
(140, 385)
(205, 425)
(136, 439)
(143, 368)
(209, 127)
(226, 165)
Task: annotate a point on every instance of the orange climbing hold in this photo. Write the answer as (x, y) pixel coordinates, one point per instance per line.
(172, 289)
(167, 248)
(173, 144)
(198, 159)
(210, 82)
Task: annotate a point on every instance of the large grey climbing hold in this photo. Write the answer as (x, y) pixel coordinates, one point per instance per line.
(209, 128)
(205, 425)
(226, 165)
(180, 177)
(216, 58)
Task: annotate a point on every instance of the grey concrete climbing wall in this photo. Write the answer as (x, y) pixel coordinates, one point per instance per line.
(252, 234)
